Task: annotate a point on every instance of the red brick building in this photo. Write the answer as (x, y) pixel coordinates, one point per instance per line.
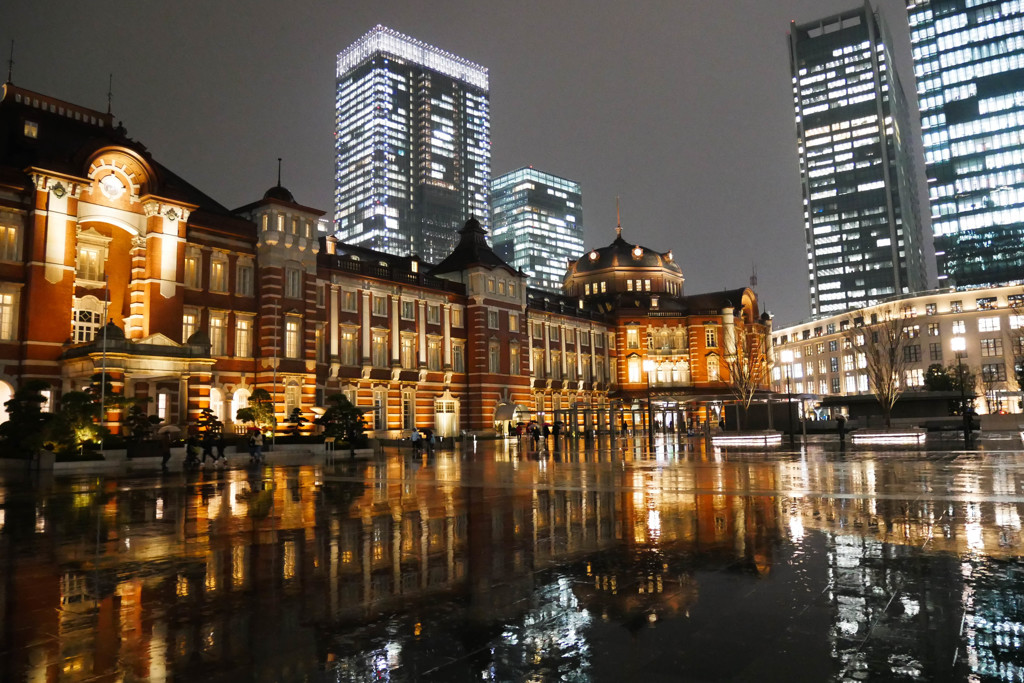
(205, 304)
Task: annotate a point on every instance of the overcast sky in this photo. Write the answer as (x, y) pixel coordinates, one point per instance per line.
(680, 107)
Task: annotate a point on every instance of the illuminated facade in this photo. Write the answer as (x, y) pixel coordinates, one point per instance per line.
(204, 305)
(412, 145)
(677, 355)
(538, 224)
(988, 322)
(861, 215)
(969, 62)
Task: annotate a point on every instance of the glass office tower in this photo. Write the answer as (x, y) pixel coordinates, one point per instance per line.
(861, 215)
(412, 145)
(969, 63)
(538, 224)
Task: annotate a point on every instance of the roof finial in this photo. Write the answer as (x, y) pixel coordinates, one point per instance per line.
(279, 171)
(10, 63)
(110, 91)
(618, 219)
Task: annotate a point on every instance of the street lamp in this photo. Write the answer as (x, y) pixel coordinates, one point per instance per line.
(786, 356)
(959, 345)
(648, 366)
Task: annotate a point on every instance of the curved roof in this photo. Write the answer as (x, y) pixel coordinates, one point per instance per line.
(472, 250)
(621, 254)
(280, 193)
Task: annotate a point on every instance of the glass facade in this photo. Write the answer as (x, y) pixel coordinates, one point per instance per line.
(861, 216)
(538, 224)
(412, 145)
(969, 62)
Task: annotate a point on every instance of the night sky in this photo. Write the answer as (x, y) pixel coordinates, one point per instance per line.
(680, 107)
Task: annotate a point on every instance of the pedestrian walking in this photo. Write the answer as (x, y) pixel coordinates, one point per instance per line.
(208, 446)
(255, 446)
(417, 441)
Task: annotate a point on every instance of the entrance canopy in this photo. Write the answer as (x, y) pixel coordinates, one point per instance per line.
(505, 412)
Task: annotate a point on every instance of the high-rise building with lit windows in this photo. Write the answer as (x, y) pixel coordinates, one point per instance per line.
(412, 145)
(538, 224)
(861, 216)
(969, 62)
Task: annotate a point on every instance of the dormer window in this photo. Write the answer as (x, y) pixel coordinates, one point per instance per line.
(31, 129)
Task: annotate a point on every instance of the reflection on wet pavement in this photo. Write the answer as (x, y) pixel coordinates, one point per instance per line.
(599, 564)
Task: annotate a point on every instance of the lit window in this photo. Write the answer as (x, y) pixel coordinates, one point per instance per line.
(217, 341)
(218, 275)
(379, 349)
(988, 324)
(9, 243)
(713, 369)
(291, 338)
(31, 129)
(433, 314)
(189, 321)
(434, 354)
(243, 338)
(8, 315)
(192, 270)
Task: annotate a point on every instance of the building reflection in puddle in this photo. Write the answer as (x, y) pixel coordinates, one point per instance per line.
(505, 567)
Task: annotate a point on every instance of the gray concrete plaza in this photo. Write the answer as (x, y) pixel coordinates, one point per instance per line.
(496, 561)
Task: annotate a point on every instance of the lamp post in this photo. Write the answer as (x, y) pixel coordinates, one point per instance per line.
(786, 356)
(648, 366)
(959, 345)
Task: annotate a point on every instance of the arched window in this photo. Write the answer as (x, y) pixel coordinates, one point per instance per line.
(217, 403)
(239, 400)
(6, 394)
(86, 319)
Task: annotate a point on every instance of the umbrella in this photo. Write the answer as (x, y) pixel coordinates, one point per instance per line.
(169, 429)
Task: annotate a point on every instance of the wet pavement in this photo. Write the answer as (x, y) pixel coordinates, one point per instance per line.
(589, 563)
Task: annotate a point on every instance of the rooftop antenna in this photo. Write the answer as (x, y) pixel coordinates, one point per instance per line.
(279, 171)
(10, 63)
(110, 91)
(618, 219)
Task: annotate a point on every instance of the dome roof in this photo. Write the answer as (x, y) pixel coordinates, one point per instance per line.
(199, 338)
(112, 331)
(280, 193)
(622, 254)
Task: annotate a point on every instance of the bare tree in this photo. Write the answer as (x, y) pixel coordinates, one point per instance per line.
(746, 357)
(882, 346)
(1015, 338)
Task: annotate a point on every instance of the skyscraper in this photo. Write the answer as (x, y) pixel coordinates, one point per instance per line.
(969, 62)
(412, 145)
(861, 217)
(538, 224)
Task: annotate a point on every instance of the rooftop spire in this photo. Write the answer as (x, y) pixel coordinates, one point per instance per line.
(618, 219)
(279, 171)
(10, 63)
(110, 91)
